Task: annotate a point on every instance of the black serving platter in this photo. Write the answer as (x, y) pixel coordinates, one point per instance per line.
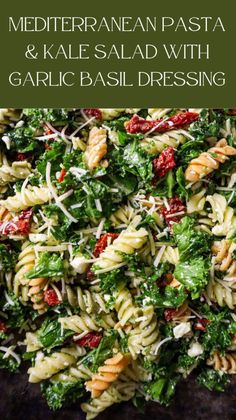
(20, 400)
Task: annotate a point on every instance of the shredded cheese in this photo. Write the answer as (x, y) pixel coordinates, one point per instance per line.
(55, 196)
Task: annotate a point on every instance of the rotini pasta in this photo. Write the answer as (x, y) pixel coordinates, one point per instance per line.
(107, 374)
(29, 197)
(226, 363)
(96, 148)
(50, 365)
(209, 161)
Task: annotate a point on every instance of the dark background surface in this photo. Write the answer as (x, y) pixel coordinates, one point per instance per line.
(20, 400)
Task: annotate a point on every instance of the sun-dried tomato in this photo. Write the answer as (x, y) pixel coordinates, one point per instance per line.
(170, 313)
(139, 125)
(3, 327)
(94, 112)
(201, 324)
(232, 111)
(91, 340)
(102, 243)
(164, 162)
(19, 226)
(89, 275)
(26, 214)
(50, 297)
(175, 213)
(62, 175)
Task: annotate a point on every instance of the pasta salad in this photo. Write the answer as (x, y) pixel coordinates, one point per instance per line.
(118, 251)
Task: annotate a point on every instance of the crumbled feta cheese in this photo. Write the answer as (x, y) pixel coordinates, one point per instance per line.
(182, 329)
(195, 350)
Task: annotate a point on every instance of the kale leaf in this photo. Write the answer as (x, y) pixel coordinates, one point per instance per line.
(49, 265)
(51, 335)
(213, 379)
(61, 394)
(193, 274)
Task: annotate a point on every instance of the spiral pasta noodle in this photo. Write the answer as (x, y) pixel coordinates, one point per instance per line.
(11, 173)
(158, 143)
(36, 287)
(107, 374)
(86, 300)
(50, 365)
(144, 337)
(127, 242)
(85, 322)
(29, 197)
(114, 394)
(8, 115)
(124, 307)
(225, 363)
(123, 215)
(223, 214)
(209, 161)
(96, 148)
(223, 256)
(221, 293)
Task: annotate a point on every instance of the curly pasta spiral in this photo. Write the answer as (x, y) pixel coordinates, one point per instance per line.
(29, 197)
(50, 365)
(158, 143)
(5, 215)
(223, 214)
(144, 337)
(36, 287)
(226, 363)
(124, 306)
(127, 242)
(223, 256)
(209, 161)
(8, 115)
(116, 393)
(96, 148)
(86, 300)
(111, 113)
(221, 293)
(157, 113)
(85, 322)
(196, 203)
(170, 255)
(124, 215)
(18, 170)
(79, 371)
(26, 261)
(107, 374)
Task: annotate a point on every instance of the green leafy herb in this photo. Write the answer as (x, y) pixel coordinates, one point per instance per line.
(61, 394)
(51, 334)
(49, 265)
(213, 379)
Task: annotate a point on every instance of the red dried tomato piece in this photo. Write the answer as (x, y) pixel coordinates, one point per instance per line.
(139, 125)
(50, 297)
(47, 146)
(94, 112)
(169, 313)
(26, 214)
(232, 111)
(62, 175)
(164, 162)
(91, 340)
(175, 213)
(20, 226)
(89, 275)
(201, 324)
(3, 327)
(102, 243)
